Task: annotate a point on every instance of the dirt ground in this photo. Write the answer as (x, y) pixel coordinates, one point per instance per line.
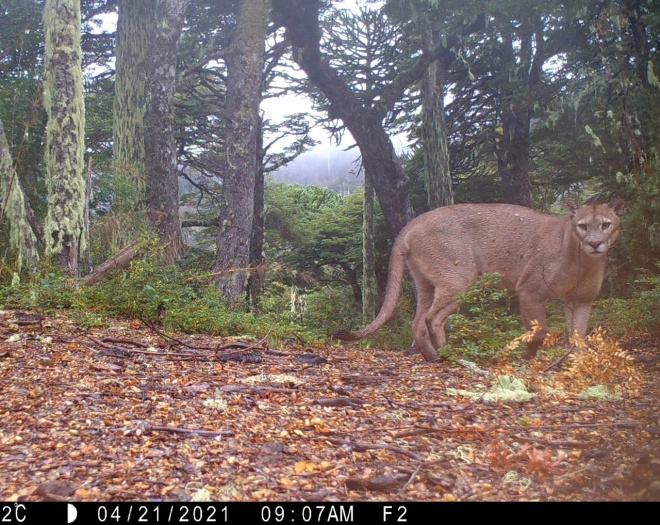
(131, 413)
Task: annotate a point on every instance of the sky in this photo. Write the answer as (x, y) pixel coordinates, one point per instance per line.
(276, 109)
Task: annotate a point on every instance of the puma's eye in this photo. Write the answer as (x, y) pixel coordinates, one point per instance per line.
(606, 225)
(583, 227)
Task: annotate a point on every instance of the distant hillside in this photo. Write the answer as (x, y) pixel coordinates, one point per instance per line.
(324, 166)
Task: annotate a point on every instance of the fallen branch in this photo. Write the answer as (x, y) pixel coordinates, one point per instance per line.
(243, 346)
(124, 341)
(377, 483)
(338, 401)
(357, 379)
(256, 389)
(412, 476)
(119, 261)
(198, 432)
(623, 424)
(152, 327)
(361, 447)
(554, 443)
(560, 360)
(420, 431)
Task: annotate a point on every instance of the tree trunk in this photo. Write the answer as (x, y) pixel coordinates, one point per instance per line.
(513, 149)
(434, 128)
(162, 188)
(15, 207)
(63, 100)
(368, 253)
(300, 18)
(134, 27)
(513, 155)
(245, 61)
(353, 281)
(379, 158)
(257, 262)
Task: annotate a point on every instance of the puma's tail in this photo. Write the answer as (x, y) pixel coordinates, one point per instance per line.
(394, 280)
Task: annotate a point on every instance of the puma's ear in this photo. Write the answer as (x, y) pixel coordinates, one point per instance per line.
(572, 206)
(619, 207)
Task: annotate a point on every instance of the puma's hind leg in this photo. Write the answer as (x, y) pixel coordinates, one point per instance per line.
(436, 320)
(429, 323)
(420, 331)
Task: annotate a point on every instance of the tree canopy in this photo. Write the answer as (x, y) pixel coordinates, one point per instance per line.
(533, 103)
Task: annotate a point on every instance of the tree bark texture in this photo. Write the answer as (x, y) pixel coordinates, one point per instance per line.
(15, 208)
(133, 40)
(245, 61)
(368, 252)
(513, 155)
(118, 261)
(434, 128)
(257, 277)
(63, 100)
(162, 188)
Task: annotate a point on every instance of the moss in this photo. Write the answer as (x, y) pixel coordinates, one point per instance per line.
(506, 388)
(600, 392)
(64, 157)
(21, 237)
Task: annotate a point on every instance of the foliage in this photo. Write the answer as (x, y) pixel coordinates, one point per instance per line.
(598, 360)
(484, 323)
(119, 217)
(639, 247)
(145, 292)
(181, 300)
(47, 291)
(315, 311)
(313, 234)
(638, 314)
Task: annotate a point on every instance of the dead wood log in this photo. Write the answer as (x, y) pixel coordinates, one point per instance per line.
(118, 261)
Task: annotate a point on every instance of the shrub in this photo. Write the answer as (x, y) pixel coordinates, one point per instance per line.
(638, 314)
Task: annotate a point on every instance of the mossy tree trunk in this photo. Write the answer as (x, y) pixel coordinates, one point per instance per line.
(134, 29)
(63, 100)
(245, 61)
(434, 127)
(15, 208)
(162, 186)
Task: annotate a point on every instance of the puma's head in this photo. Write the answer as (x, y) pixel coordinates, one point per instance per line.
(596, 225)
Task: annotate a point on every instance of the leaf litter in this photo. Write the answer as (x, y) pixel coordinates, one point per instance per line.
(125, 413)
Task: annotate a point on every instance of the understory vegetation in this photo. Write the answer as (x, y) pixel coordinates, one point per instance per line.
(183, 299)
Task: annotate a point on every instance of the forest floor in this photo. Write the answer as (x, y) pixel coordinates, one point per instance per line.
(130, 413)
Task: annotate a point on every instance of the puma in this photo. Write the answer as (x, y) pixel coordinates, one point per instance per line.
(539, 257)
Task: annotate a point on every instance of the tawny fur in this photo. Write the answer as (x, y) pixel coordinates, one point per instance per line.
(539, 256)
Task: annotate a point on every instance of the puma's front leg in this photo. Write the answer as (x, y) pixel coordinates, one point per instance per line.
(532, 309)
(577, 318)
